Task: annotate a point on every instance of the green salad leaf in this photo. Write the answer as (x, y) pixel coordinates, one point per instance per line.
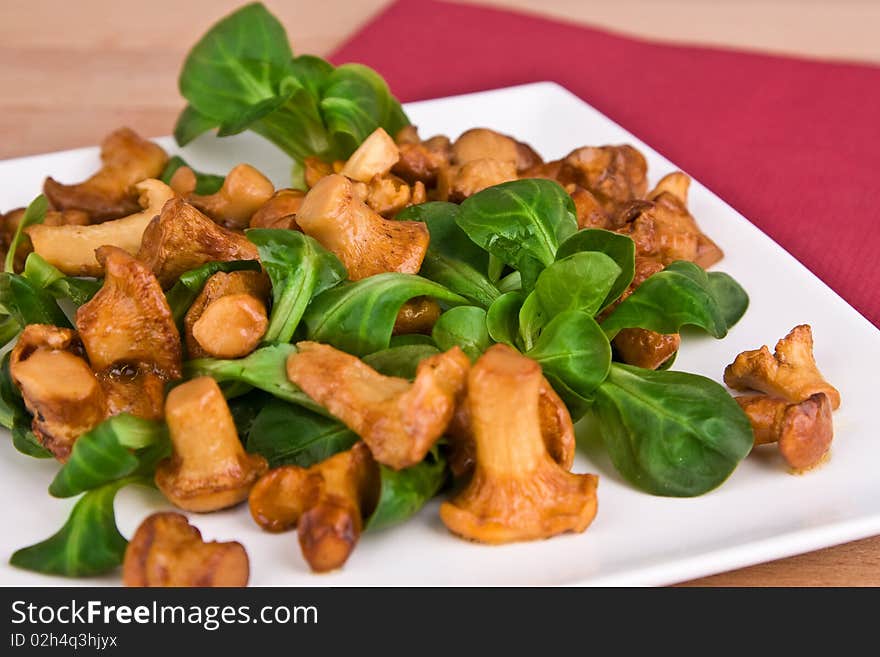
(299, 268)
(400, 361)
(287, 434)
(465, 327)
(206, 183)
(521, 223)
(674, 297)
(404, 492)
(88, 544)
(77, 290)
(242, 75)
(670, 433)
(358, 317)
(264, 369)
(619, 248)
(116, 448)
(502, 318)
(28, 303)
(34, 214)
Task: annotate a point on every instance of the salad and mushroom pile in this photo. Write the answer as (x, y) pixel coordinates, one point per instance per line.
(411, 317)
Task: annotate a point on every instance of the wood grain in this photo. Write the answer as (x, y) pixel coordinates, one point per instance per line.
(71, 71)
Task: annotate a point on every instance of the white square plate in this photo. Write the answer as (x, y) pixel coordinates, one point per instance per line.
(762, 512)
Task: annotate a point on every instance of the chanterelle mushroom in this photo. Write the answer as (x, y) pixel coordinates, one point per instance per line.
(228, 317)
(182, 238)
(243, 192)
(517, 491)
(790, 372)
(57, 386)
(126, 159)
(366, 243)
(208, 469)
(130, 336)
(485, 144)
(168, 551)
(803, 430)
(9, 224)
(664, 229)
(71, 248)
(399, 420)
(326, 503)
(374, 157)
(279, 211)
(557, 431)
(613, 174)
(420, 161)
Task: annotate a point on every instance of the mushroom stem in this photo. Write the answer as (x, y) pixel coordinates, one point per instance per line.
(208, 469)
(517, 492)
(803, 430)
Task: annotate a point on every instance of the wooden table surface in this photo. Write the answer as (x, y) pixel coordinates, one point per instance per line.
(72, 71)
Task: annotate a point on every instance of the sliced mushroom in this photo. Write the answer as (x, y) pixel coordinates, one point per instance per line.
(557, 430)
(130, 336)
(279, 211)
(399, 420)
(374, 157)
(366, 243)
(182, 238)
(326, 503)
(57, 385)
(245, 190)
(168, 551)
(228, 318)
(71, 248)
(9, 224)
(517, 492)
(208, 469)
(676, 183)
(790, 372)
(802, 430)
(126, 159)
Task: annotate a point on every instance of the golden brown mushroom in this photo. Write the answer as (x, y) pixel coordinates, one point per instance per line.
(589, 211)
(182, 238)
(387, 194)
(126, 159)
(517, 491)
(168, 551)
(71, 248)
(228, 318)
(399, 420)
(456, 183)
(420, 161)
(557, 430)
(615, 175)
(208, 469)
(417, 316)
(326, 503)
(130, 336)
(9, 223)
(59, 388)
(366, 243)
(676, 183)
(803, 430)
(245, 190)
(279, 211)
(374, 157)
(790, 372)
(644, 348)
(486, 144)
(664, 229)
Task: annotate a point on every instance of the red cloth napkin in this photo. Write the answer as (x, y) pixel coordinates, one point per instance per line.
(793, 144)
